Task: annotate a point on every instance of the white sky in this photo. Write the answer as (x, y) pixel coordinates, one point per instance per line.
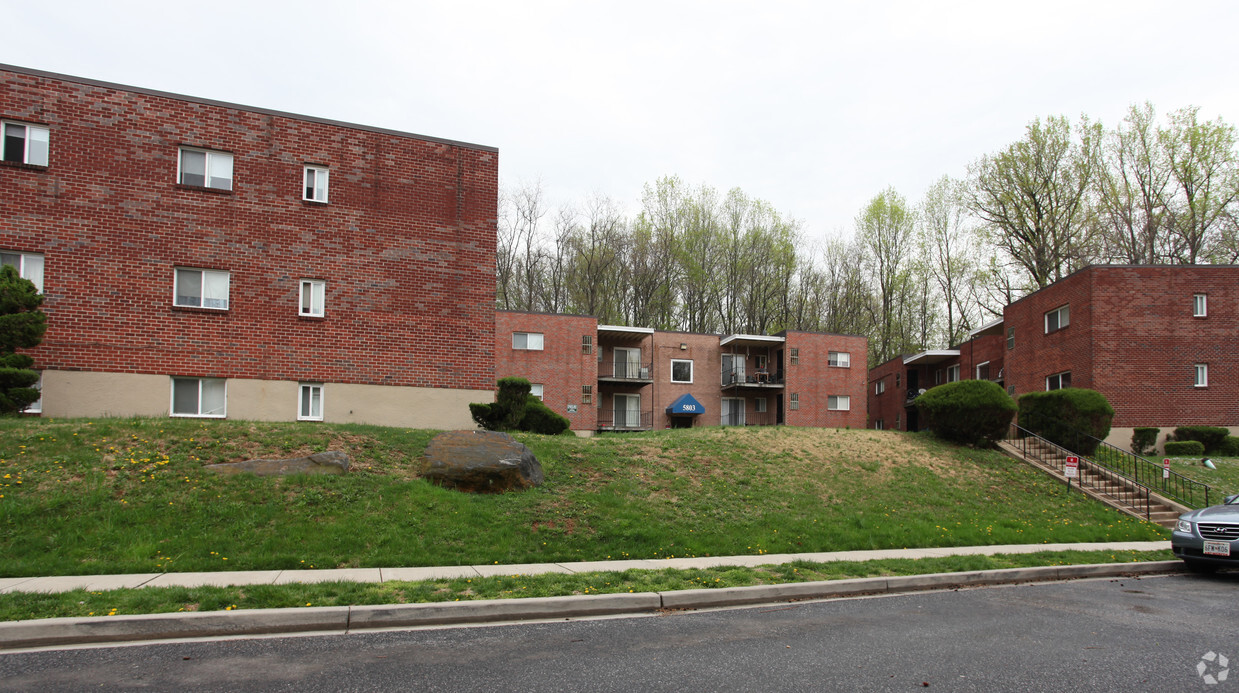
(812, 106)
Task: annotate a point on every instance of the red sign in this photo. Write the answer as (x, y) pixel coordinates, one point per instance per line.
(1072, 470)
(1166, 468)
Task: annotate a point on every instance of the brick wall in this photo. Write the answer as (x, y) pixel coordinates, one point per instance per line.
(406, 244)
(888, 407)
(1037, 354)
(703, 351)
(814, 380)
(561, 367)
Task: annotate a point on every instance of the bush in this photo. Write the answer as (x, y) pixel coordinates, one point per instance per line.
(1071, 417)
(1212, 437)
(1144, 439)
(1229, 447)
(517, 410)
(1184, 448)
(972, 412)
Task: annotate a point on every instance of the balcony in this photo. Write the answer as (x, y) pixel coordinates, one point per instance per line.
(624, 420)
(737, 378)
(764, 418)
(625, 372)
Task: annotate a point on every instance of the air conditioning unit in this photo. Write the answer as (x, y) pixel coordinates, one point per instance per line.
(645, 373)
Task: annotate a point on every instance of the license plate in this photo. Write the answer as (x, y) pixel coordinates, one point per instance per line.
(1217, 548)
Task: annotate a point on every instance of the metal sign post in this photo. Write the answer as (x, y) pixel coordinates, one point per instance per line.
(1071, 470)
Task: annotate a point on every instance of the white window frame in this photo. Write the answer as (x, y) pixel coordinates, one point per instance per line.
(311, 415)
(879, 387)
(29, 266)
(1062, 318)
(838, 403)
(690, 370)
(213, 159)
(223, 412)
(724, 420)
(952, 373)
(33, 133)
(877, 424)
(537, 390)
(1058, 378)
(759, 405)
(626, 397)
(1200, 305)
(202, 298)
(839, 359)
(527, 341)
(976, 371)
(36, 407)
(1202, 375)
(317, 307)
(316, 181)
(762, 361)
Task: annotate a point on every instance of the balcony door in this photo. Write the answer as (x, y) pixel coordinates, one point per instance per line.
(627, 411)
(733, 411)
(733, 368)
(627, 362)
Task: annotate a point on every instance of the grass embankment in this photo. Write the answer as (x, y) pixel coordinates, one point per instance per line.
(1224, 480)
(130, 495)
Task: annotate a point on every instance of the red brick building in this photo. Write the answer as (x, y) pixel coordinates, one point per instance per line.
(1155, 340)
(200, 258)
(609, 377)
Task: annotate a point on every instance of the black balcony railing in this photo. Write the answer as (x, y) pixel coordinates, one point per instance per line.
(626, 370)
(624, 420)
(762, 418)
(740, 377)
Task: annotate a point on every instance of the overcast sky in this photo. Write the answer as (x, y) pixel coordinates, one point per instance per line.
(812, 106)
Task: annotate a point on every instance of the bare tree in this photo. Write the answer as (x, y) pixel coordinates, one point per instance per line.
(1205, 170)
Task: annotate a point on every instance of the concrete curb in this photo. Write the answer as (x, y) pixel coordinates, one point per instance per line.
(53, 632)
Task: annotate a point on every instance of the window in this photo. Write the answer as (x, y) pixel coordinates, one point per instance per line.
(839, 403)
(762, 361)
(732, 411)
(681, 371)
(879, 387)
(205, 169)
(198, 397)
(794, 404)
(1011, 390)
(315, 184)
(535, 389)
(1200, 305)
(25, 144)
(938, 377)
(36, 407)
(840, 359)
(982, 371)
(311, 402)
(897, 379)
(313, 297)
(528, 341)
(1202, 375)
(759, 405)
(1010, 338)
(877, 425)
(587, 394)
(952, 373)
(1057, 319)
(197, 288)
(587, 344)
(1058, 381)
(898, 422)
(795, 355)
(29, 266)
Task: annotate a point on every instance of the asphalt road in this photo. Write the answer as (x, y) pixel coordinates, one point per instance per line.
(1146, 634)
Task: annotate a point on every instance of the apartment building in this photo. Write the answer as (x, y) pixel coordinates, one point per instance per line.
(207, 259)
(1157, 341)
(619, 378)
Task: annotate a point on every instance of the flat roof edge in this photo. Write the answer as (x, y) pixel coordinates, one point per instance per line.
(241, 107)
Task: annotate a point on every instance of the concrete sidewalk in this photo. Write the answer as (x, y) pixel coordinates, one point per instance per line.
(100, 583)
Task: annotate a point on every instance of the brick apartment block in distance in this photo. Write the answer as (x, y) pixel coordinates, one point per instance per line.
(1157, 341)
(206, 259)
(616, 378)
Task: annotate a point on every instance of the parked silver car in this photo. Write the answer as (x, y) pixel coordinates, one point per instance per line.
(1208, 538)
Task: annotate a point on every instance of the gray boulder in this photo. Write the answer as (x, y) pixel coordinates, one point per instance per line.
(481, 462)
(330, 462)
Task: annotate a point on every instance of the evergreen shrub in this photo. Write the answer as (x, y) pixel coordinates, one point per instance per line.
(1212, 437)
(517, 410)
(971, 412)
(1073, 417)
(1184, 448)
(1144, 439)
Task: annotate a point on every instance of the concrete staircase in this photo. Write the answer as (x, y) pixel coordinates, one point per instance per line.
(1097, 482)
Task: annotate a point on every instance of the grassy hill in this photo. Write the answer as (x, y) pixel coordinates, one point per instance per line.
(130, 495)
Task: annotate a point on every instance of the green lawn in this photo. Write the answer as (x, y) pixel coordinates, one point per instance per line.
(130, 495)
(1224, 479)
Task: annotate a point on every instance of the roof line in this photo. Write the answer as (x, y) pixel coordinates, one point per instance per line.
(250, 109)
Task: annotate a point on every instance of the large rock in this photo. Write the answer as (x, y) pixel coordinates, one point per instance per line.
(481, 462)
(330, 462)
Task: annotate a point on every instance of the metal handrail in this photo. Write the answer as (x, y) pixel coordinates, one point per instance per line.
(1175, 486)
(1125, 490)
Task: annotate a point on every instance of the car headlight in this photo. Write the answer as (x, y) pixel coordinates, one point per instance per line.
(1184, 526)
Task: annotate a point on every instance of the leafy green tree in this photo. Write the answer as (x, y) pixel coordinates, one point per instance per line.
(885, 233)
(22, 325)
(1205, 169)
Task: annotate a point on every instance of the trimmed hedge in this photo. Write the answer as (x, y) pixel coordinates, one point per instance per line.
(1230, 447)
(517, 410)
(971, 412)
(1184, 448)
(1144, 439)
(1061, 416)
(1212, 437)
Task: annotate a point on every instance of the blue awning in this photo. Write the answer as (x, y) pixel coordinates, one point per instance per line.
(686, 404)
